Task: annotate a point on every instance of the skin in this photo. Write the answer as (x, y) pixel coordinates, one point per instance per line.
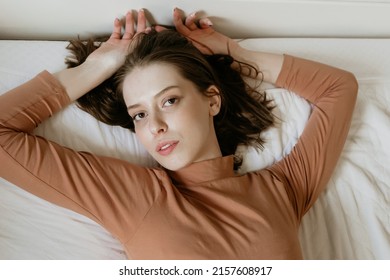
(102, 63)
(189, 123)
(171, 111)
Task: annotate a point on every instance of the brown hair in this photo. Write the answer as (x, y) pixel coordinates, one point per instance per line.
(244, 112)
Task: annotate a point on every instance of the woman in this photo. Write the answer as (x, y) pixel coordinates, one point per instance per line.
(195, 206)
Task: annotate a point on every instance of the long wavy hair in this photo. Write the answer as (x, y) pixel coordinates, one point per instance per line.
(245, 112)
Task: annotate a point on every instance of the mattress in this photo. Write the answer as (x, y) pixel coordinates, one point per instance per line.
(350, 220)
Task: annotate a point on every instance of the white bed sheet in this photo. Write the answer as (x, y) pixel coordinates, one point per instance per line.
(351, 220)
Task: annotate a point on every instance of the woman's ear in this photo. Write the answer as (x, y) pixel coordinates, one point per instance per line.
(215, 100)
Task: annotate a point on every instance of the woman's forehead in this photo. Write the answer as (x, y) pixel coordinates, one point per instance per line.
(152, 72)
(150, 80)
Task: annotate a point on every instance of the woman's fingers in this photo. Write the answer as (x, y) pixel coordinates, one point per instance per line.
(184, 28)
(141, 22)
(117, 31)
(178, 22)
(129, 26)
(190, 22)
(205, 23)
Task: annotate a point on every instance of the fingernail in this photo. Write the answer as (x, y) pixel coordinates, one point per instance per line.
(141, 10)
(193, 15)
(208, 22)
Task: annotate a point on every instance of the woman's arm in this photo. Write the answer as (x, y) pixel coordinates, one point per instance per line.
(103, 62)
(306, 170)
(209, 41)
(97, 187)
(332, 92)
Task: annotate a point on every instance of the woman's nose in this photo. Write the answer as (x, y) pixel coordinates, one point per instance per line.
(157, 125)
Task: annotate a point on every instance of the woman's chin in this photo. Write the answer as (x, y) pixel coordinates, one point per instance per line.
(173, 163)
(172, 166)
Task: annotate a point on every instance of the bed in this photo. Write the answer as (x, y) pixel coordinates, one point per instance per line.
(351, 219)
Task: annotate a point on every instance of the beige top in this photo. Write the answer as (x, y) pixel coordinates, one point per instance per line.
(203, 211)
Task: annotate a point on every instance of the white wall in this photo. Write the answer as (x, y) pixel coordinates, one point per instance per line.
(64, 19)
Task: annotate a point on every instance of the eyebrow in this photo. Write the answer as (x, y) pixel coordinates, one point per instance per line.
(155, 97)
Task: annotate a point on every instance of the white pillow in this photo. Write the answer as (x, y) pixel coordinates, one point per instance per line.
(292, 112)
(78, 130)
(21, 60)
(63, 234)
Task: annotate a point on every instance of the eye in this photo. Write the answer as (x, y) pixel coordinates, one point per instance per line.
(171, 101)
(138, 116)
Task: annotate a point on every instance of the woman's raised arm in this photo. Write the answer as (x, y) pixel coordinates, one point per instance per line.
(104, 61)
(91, 185)
(209, 41)
(332, 92)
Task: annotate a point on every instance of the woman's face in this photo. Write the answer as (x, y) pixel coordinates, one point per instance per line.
(172, 119)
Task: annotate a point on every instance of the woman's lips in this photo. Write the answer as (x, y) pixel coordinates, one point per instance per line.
(165, 148)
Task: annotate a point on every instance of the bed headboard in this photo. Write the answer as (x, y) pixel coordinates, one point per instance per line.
(61, 20)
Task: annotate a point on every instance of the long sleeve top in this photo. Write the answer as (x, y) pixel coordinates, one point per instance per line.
(202, 211)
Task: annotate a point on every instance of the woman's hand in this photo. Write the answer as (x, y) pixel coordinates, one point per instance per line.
(104, 61)
(203, 36)
(112, 53)
(208, 41)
